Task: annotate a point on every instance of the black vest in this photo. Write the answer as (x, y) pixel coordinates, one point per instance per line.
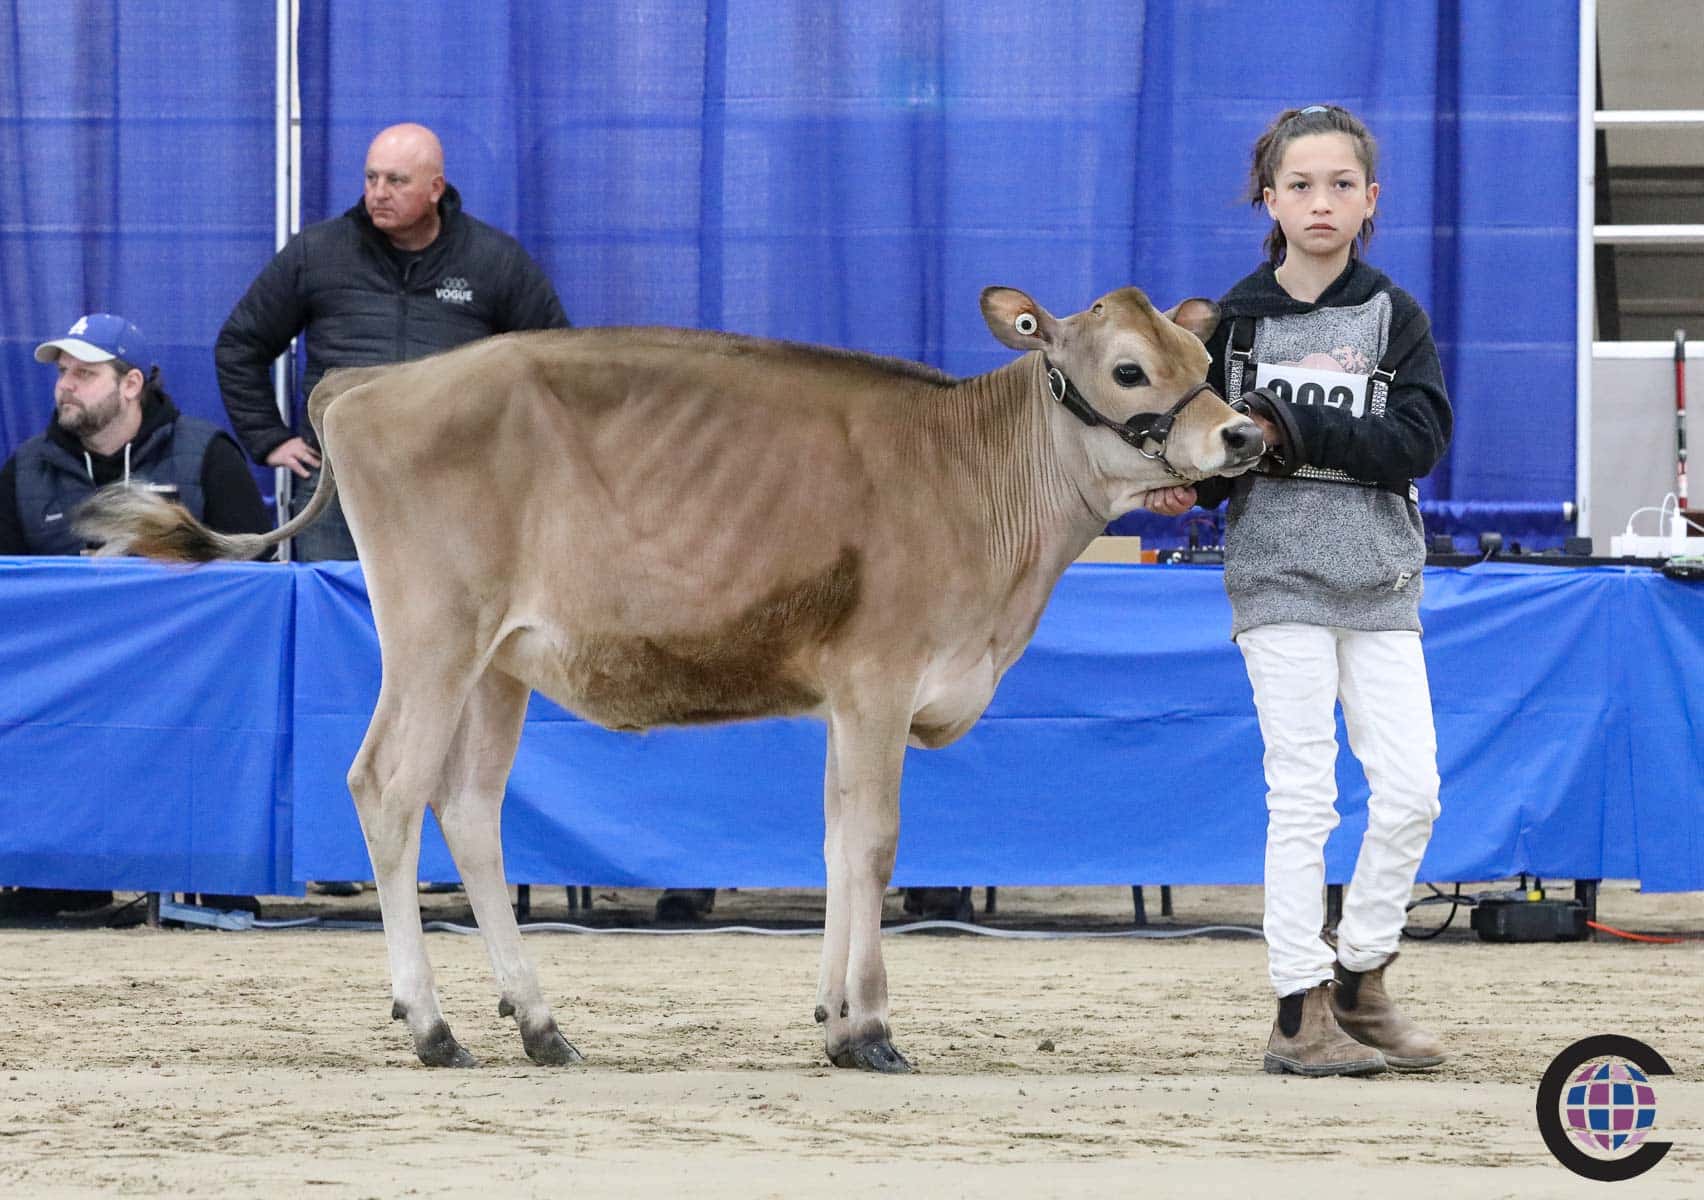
(52, 481)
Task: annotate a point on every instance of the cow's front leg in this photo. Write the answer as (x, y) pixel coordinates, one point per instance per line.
(869, 747)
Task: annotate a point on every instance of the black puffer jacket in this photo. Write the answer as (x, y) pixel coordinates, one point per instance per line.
(364, 303)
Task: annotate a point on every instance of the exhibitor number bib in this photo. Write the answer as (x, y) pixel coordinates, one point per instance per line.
(1295, 384)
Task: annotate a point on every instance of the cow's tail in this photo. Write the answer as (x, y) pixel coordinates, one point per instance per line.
(126, 521)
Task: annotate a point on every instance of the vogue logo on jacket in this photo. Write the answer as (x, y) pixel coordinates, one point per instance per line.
(455, 290)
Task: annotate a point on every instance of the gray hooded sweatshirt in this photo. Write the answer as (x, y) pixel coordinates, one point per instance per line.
(1339, 542)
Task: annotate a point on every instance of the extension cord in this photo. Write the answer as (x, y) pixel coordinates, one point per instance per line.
(214, 918)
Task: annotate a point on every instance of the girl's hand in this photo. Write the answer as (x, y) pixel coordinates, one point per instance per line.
(1269, 432)
(1170, 502)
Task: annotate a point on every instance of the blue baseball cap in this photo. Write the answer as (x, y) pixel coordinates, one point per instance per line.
(99, 337)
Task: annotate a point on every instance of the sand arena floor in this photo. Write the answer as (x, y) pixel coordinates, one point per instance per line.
(196, 1063)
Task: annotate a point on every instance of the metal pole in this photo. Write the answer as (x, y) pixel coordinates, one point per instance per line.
(286, 219)
(1680, 432)
(1586, 892)
(1585, 287)
(284, 48)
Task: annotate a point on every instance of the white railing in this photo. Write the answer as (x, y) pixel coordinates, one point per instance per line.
(1627, 235)
(1647, 117)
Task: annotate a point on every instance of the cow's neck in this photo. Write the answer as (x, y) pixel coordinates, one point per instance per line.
(1034, 518)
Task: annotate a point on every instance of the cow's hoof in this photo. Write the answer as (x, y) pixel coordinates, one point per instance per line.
(440, 1049)
(879, 1056)
(551, 1049)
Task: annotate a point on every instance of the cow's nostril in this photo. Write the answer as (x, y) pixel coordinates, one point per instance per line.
(1244, 438)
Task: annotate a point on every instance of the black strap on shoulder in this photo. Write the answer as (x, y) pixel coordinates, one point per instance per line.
(1401, 345)
(1241, 341)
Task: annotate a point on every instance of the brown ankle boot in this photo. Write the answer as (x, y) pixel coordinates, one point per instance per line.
(1365, 1011)
(1306, 1039)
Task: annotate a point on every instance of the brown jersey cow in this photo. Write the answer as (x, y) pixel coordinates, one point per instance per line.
(656, 526)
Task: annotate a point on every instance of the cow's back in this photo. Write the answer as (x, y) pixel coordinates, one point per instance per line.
(658, 526)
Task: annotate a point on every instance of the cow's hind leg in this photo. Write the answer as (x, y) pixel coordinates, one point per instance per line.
(399, 766)
(831, 1008)
(470, 816)
(868, 738)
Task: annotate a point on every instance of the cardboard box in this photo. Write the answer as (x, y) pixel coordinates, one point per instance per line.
(1113, 550)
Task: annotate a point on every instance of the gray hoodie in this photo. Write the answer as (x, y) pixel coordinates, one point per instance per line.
(1334, 544)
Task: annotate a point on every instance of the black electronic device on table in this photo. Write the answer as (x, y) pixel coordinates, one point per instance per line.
(1213, 555)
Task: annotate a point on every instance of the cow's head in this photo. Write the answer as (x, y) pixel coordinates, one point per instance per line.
(1127, 364)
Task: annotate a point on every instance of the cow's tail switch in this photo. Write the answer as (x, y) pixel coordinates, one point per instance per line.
(126, 521)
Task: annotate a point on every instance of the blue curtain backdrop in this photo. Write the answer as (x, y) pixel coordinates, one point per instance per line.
(855, 174)
(849, 174)
(135, 177)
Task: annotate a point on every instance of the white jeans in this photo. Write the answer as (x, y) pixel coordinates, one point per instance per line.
(1299, 672)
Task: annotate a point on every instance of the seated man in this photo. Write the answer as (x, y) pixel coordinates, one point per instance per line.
(113, 422)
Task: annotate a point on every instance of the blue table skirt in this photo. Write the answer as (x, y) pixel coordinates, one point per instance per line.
(190, 730)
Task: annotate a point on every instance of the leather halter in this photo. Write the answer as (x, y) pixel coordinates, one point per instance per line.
(1139, 429)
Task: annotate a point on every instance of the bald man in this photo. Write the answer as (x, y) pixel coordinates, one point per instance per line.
(402, 274)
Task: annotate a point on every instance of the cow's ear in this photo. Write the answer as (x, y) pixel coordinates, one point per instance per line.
(1197, 314)
(1016, 320)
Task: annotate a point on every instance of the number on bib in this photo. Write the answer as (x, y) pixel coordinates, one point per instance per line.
(1309, 385)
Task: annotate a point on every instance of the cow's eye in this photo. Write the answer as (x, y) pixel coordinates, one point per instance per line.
(1129, 375)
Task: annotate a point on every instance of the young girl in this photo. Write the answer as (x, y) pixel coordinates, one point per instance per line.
(1323, 559)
